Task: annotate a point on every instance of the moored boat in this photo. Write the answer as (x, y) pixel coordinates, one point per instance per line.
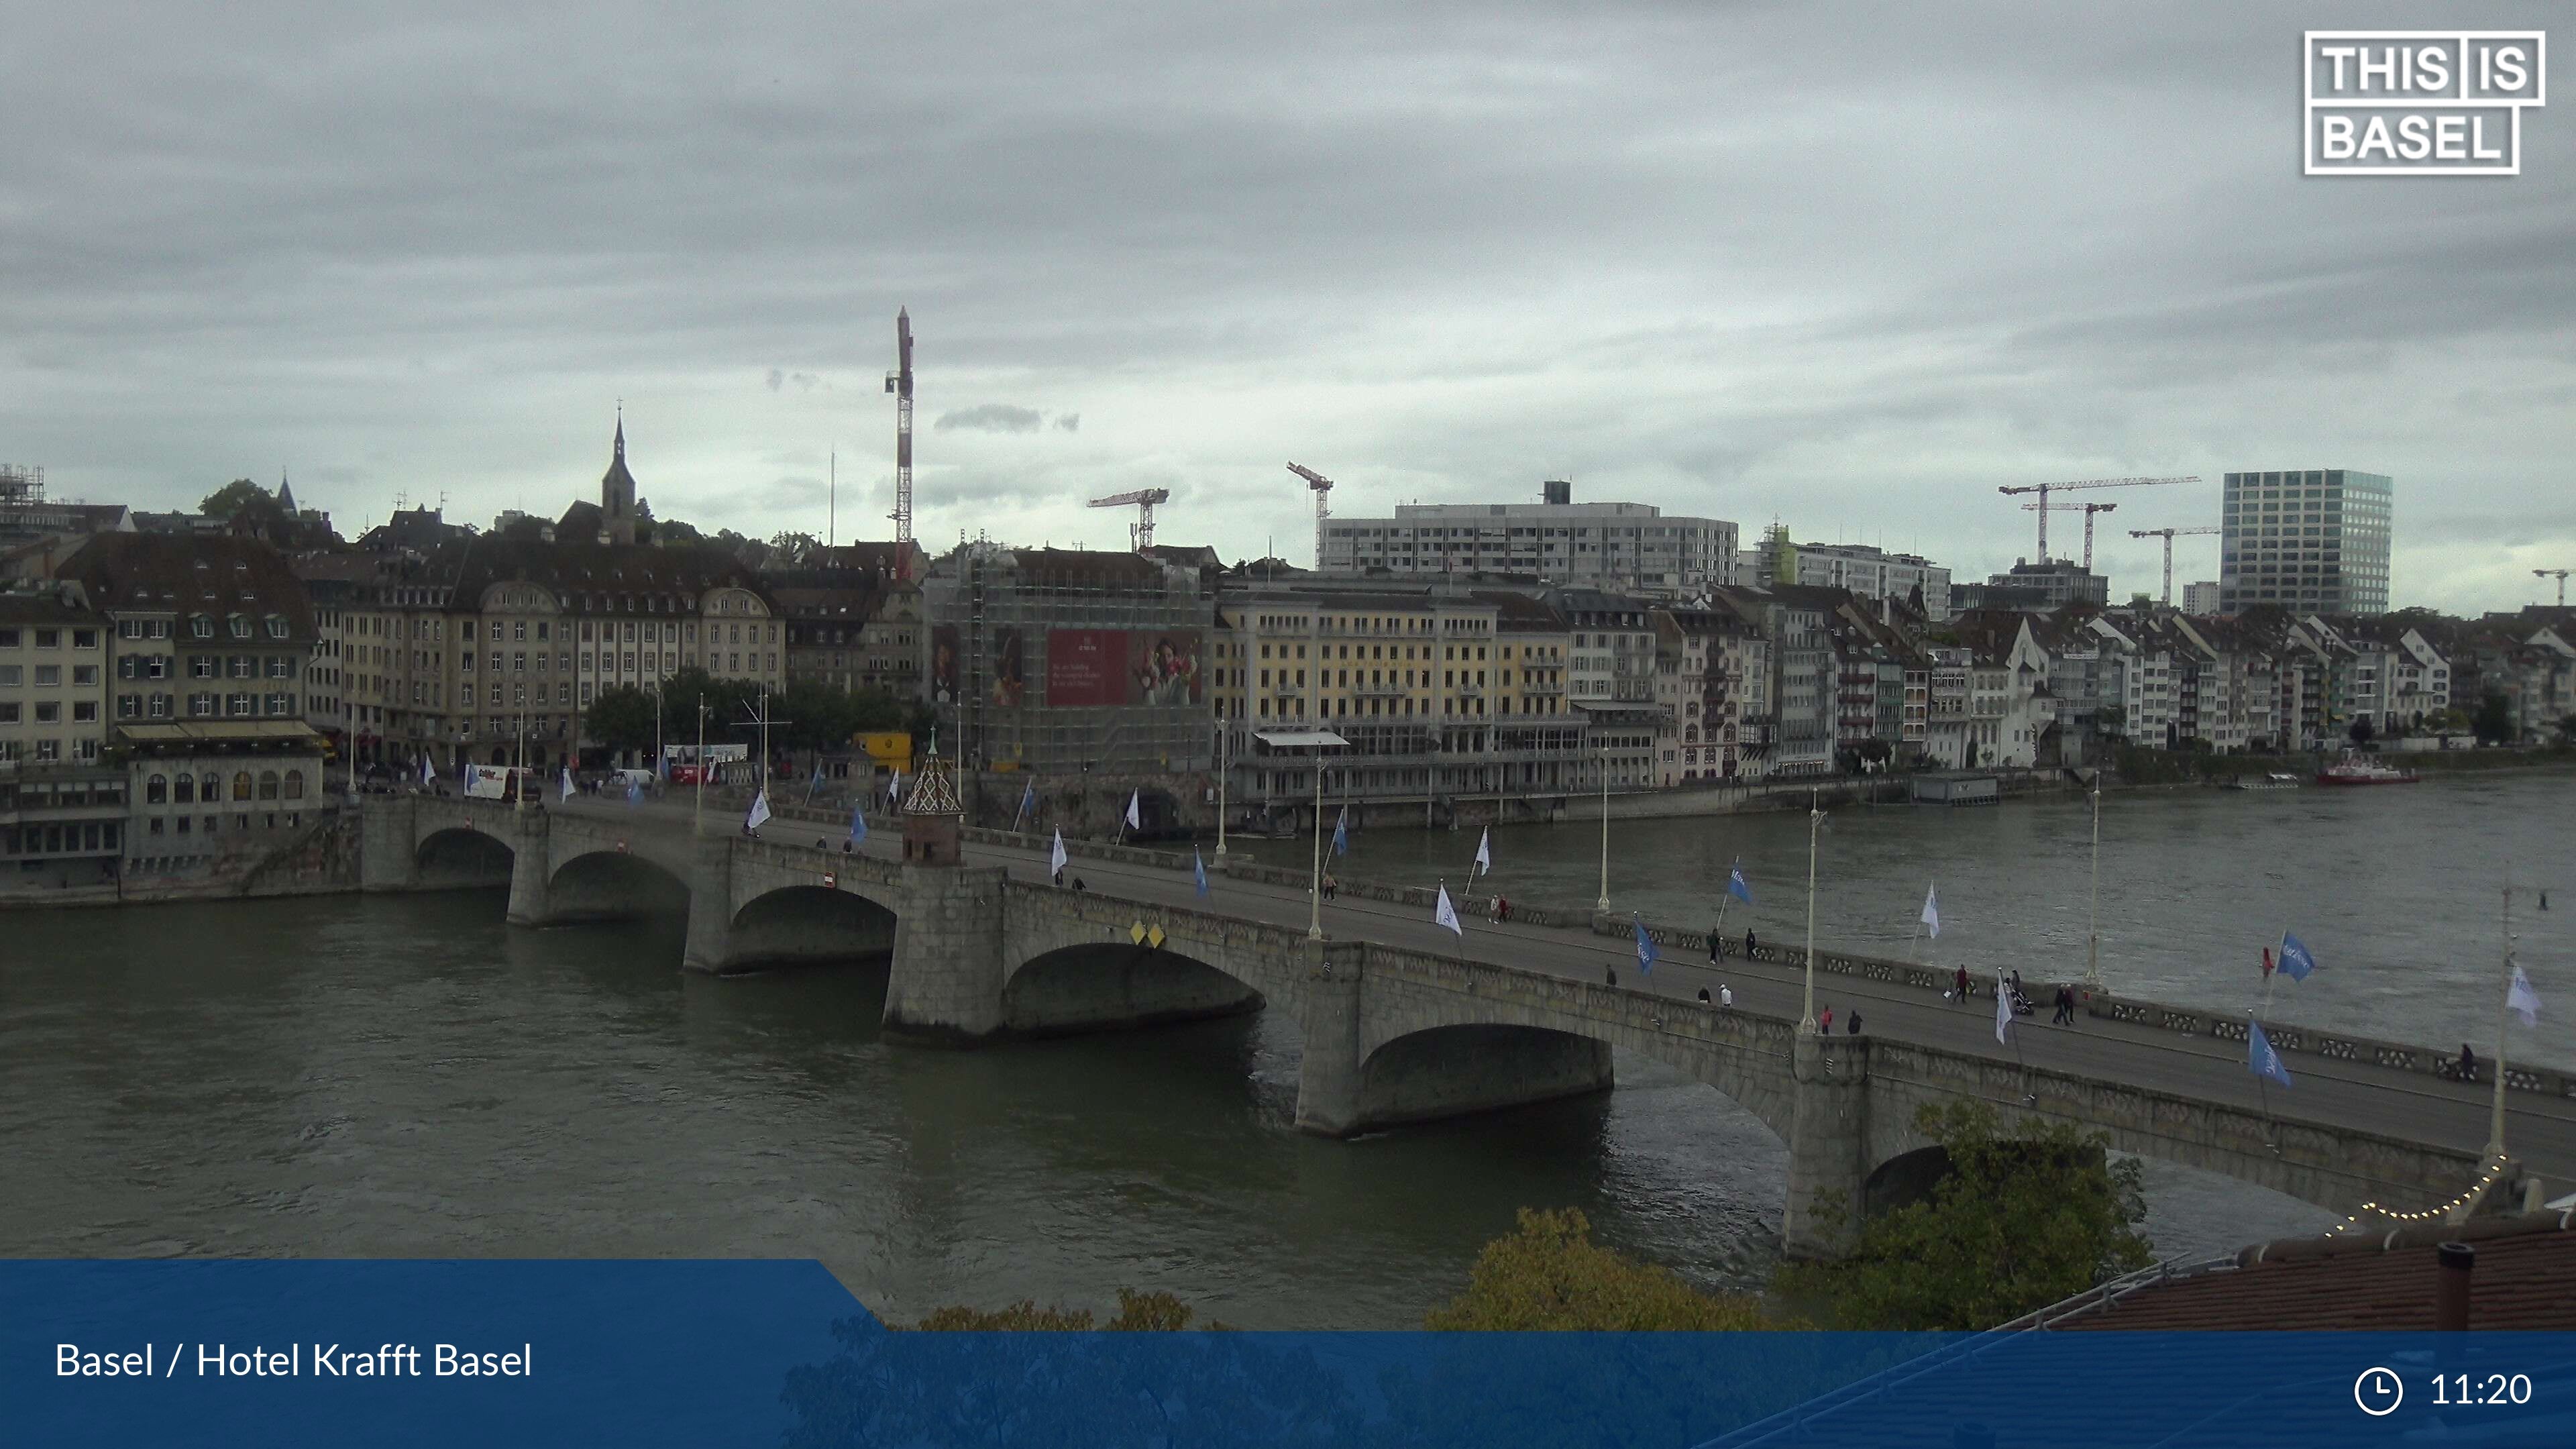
(2359, 769)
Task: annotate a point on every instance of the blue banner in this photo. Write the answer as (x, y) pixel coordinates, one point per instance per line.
(505, 1353)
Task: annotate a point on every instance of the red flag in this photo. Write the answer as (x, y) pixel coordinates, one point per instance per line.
(2267, 960)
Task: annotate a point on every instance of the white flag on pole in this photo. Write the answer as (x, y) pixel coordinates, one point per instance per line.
(567, 782)
(1056, 857)
(1932, 910)
(1447, 915)
(1485, 852)
(1135, 819)
(759, 810)
(2522, 998)
(428, 777)
(2003, 1008)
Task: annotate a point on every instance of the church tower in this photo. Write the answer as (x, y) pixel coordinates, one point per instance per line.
(617, 491)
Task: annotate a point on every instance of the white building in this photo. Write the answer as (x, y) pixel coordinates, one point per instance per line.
(1631, 547)
(2200, 600)
(1873, 574)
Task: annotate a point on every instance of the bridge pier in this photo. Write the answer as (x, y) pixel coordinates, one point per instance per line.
(710, 944)
(389, 843)
(1328, 1071)
(946, 984)
(531, 869)
(1828, 1145)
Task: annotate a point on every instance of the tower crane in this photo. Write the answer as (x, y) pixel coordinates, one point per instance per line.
(1140, 534)
(1321, 486)
(2169, 535)
(2089, 510)
(2044, 489)
(2558, 574)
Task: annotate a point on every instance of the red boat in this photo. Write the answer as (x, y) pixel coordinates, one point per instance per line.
(2359, 769)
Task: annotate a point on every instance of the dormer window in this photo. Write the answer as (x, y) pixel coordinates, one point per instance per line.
(200, 627)
(238, 626)
(276, 626)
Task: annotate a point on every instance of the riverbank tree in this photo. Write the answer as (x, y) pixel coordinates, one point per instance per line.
(1548, 1274)
(2022, 1219)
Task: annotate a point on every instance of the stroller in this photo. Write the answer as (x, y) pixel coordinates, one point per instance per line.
(2020, 1004)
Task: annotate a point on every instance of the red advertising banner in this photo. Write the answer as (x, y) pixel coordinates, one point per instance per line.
(1086, 667)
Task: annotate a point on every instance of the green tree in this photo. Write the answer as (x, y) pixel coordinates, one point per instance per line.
(2494, 720)
(621, 719)
(1137, 1313)
(789, 547)
(232, 498)
(2022, 1220)
(1549, 1274)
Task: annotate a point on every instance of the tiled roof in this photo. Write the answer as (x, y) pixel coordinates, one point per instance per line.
(45, 608)
(590, 577)
(2525, 1278)
(186, 574)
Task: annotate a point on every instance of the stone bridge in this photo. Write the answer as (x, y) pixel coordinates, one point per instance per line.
(1391, 1035)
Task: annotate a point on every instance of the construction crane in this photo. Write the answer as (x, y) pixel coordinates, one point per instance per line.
(2044, 489)
(1141, 532)
(1322, 486)
(2089, 510)
(2558, 574)
(2169, 535)
(899, 382)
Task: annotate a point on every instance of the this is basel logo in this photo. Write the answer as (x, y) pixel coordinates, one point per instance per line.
(2420, 102)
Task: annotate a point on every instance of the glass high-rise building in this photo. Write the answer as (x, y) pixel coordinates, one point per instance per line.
(2312, 542)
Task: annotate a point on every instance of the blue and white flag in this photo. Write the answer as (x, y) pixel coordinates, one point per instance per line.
(1342, 833)
(1198, 869)
(567, 782)
(1736, 886)
(759, 811)
(2003, 1008)
(634, 792)
(815, 784)
(2524, 1001)
(1932, 910)
(2259, 1056)
(859, 824)
(1028, 802)
(2296, 963)
(1484, 853)
(1646, 953)
(1446, 914)
(1056, 857)
(428, 776)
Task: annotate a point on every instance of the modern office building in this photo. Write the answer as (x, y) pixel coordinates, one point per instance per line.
(2200, 600)
(2312, 542)
(1630, 547)
(1873, 573)
(2040, 587)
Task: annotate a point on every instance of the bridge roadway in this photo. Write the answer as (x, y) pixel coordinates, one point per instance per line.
(2332, 1096)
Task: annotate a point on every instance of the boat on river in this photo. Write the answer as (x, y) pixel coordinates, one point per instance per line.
(2359, 769)
(2273, 780)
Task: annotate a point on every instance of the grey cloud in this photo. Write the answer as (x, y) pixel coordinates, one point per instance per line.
(991, 418)
(1850, 268)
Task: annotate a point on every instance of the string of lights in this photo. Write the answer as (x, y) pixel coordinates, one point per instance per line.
(2494, 1169)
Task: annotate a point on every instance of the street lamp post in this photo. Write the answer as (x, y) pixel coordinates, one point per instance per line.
(519, 765)
(1222, 731)
(1815, 827)
(698, 812)
(2093, 925)
(1602, 906)
(2504, 1008)
(1315, 883)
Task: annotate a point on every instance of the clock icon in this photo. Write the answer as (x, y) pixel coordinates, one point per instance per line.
(2378, 1391)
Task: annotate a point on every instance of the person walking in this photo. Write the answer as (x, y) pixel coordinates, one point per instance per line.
(1959, 985)
(2468, 1063)
(1703, 996)
(2065, 1007)
(1825, 1022)
(1716, 946)
(1332, 887)
(1750, 944)
(1610, 976)
(1854, 1028)
(1725, 994)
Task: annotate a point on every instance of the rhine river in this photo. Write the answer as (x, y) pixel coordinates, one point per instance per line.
(406, 1076)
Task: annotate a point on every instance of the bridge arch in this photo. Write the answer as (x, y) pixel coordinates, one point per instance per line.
(459, 857)
(1448, 1071)
(1091, 985)
(804, 924)
(613, 885)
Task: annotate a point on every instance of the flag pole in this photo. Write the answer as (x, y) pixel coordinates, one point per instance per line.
(2012, 1029)
(1914, 944)
(2280, 952)
(2504, 1009)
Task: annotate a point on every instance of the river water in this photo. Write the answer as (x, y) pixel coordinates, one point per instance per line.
(407, 1076)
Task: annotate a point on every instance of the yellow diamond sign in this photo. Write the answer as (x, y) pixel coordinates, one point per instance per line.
(1154, 938)
(1136, 933)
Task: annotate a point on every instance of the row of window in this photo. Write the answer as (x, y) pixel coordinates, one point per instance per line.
(48, 676)
(187, 789)
(48, 749)
(49, 711)
(50, 638)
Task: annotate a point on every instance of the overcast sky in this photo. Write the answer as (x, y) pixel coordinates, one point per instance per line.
(1848, 266)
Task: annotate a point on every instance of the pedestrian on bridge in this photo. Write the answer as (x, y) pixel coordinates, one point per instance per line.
(1703, 996)
(1825, 1022)
(1716, 946)
(1854, 1028)
(1959, 984)
(1725, 994)
(1610, 975)
(1750, 944)
(2065, 1007)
